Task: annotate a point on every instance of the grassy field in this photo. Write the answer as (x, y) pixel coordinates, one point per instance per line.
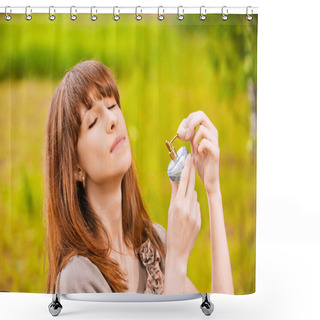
(164, 71)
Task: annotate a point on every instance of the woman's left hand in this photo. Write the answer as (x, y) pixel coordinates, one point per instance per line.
(206, 153)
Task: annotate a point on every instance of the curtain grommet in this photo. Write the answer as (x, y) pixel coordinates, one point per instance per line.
(160, 16)
(7, 16)
(248, 16)
(73, 16)
(138, 16)
(51, 16)
(116, 17)
(203, 15)
(224, 13)
(93, 16)
(180, 16)
(28, 14)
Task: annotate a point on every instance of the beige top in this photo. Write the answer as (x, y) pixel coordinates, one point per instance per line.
(80, 275)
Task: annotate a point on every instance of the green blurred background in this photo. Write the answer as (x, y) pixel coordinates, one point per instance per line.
(164, 71)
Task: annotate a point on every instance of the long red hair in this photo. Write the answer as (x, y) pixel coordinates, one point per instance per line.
(73, 228)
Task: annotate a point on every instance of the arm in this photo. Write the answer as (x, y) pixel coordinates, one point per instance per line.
(206, 152)
(175, 277)
(221, 279)
(177, 281)
(184, 221)
(190, 287)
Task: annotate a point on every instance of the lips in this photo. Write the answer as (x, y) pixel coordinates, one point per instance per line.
(116, 141)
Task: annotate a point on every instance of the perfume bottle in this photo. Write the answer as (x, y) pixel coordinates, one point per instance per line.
(178, 160)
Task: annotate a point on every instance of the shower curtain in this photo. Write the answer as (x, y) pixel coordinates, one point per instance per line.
(170, 75)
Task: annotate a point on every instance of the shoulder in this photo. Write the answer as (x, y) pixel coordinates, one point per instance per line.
(80, 275)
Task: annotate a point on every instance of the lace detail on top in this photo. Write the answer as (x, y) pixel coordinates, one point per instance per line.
(150, 258)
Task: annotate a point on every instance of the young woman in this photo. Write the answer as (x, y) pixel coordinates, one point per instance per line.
(99, 235)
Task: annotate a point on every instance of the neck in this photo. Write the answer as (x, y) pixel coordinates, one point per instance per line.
(106, 201)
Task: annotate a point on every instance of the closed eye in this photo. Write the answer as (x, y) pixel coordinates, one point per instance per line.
(93, 123)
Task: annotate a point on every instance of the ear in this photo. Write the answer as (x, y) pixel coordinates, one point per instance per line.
(78, 174)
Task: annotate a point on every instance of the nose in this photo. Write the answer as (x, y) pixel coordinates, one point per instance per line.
(111, 121)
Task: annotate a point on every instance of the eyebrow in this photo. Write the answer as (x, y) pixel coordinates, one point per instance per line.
(91, 106)
(94, 106)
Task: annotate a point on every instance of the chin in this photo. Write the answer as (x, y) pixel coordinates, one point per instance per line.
(125, 161)
(122, 163)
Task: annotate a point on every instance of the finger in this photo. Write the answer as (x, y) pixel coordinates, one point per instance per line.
(191, 182)
(184, 178)
(196, 214)
(191, 205)
(206, 145)
(197, 118)
(182, 130)
(174, 190)
(194, 205)
(203, 133)
(201, 116)
(199, 215)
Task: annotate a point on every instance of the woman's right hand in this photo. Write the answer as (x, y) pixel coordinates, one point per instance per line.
(184, 218)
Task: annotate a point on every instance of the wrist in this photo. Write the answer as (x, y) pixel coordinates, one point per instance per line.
(175, 278)
(176, 265)
(214, 190)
